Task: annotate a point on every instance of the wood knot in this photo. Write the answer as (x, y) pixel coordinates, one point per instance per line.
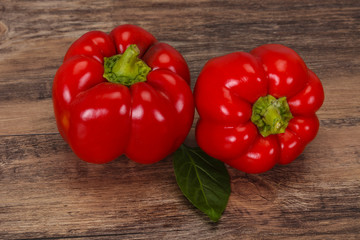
(3, 31)
(252, 192)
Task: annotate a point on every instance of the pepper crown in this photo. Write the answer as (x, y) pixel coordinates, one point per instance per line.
(126, 69)
(271, 115)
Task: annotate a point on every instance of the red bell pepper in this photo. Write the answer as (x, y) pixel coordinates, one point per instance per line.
(257, 109)
(123, 93)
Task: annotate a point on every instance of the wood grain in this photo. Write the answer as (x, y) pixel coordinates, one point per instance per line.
(46, 192)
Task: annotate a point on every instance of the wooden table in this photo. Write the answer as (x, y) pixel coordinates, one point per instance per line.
(46, 192)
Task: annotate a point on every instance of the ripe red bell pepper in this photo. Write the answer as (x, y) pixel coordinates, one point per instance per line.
(257, 109)
(123, 93)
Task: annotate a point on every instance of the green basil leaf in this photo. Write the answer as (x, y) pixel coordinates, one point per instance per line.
(204, 180)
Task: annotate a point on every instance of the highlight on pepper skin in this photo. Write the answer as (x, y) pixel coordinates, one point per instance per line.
(257, 109)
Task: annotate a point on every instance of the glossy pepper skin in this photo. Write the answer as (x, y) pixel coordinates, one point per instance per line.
(145, 119)
(257, 109)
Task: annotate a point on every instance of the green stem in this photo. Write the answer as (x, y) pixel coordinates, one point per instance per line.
(271, 115)
(126, 69)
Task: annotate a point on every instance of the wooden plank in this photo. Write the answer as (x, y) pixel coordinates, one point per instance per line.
(47, 191)
(33, 117)
(36, 116)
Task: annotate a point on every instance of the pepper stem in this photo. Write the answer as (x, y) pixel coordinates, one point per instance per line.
(126, 69)
(271, 115)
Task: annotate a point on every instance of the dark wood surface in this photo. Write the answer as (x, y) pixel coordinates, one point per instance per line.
(46, 192)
